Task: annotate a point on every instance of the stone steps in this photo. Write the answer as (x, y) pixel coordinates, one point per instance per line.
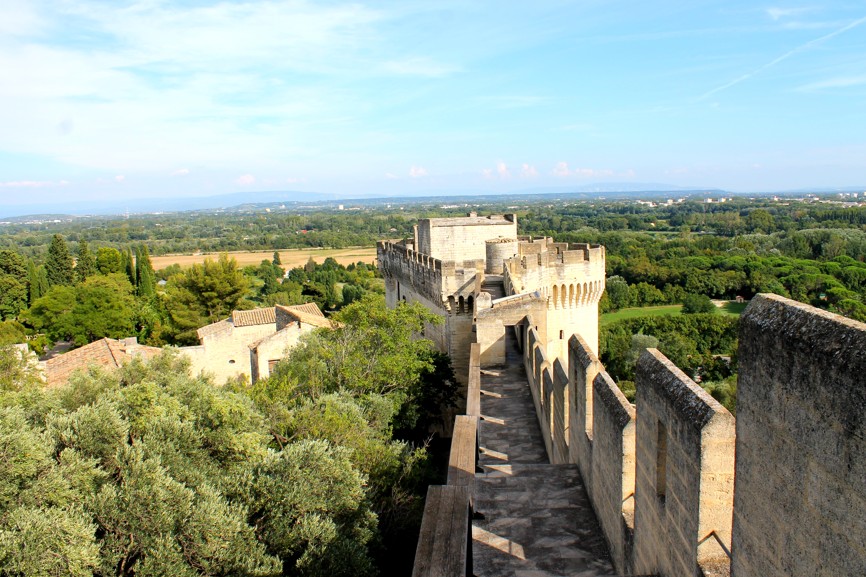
(496, 289)
(534, 519)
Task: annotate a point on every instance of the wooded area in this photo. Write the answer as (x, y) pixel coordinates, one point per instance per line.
(321, 469)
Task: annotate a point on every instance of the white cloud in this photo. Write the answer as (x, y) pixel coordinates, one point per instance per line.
(180, 172)
(839, 82)
(778, 13)
(136, 74)
(119, 178)
(561, 169)
(801, 48)
(502, 170)
(487, 173)
(245, 180)
(391, 176)
(528, 171)
(417, 171)
(294, 180)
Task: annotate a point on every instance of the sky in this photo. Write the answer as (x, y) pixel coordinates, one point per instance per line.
(101, 99)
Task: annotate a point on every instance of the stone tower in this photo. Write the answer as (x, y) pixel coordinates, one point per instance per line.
(482, 278)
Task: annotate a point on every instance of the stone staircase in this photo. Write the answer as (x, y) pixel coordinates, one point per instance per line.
(494, 287)
(533, 519)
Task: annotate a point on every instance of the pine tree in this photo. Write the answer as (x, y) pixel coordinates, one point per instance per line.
(58, 265)
(144, 272)
(86, 263)
(277, 261)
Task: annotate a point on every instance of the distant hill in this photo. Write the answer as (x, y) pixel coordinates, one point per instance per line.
(256, 200)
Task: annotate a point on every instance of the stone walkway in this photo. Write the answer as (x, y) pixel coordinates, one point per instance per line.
(535, 518)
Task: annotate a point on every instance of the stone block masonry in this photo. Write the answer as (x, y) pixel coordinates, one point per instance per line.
(685, 472)
(800, 504)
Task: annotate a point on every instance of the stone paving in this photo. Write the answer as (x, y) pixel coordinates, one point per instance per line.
(533, 519)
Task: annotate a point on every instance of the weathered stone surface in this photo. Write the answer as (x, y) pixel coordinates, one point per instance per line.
(684, 472)
(537, 520)
(613, 467)
(801, 442)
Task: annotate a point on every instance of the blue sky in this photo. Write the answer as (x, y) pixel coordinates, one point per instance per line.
(102, 98)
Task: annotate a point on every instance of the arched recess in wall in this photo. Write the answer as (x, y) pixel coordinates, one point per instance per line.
(461, 303)
(555, 298)
(470, 304)
(571, 301)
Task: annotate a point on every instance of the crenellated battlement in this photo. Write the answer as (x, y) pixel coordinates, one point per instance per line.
(660, 473)
(450, 264)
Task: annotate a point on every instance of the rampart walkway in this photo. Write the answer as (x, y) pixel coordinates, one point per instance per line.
(533, 519)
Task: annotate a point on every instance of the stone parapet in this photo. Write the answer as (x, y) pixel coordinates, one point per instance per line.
(801, 442)
(684, 472)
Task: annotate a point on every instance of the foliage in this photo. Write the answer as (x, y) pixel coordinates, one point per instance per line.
(697, 304)
(101, 306)
(58, 264)
(37, 279)
(204, 294)
(109, 260)
(689, 341)
(13, 284)
(85, 264)
(144, 275)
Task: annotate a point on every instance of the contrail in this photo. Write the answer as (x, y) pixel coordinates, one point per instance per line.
(784, 56)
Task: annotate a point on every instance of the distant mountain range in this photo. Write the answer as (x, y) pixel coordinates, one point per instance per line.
(253, 199)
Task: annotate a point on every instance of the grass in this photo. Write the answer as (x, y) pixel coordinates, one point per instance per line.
(631, 313)
(732, 308)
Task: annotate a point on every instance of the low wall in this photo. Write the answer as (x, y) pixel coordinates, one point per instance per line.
(801, 400)
(559, 414)
(613, 468)
(583, 366)
(684, 472)
(445, 541)
(537, 368)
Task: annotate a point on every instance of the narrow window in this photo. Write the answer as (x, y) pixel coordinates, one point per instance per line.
(661, 461)
(561, 333)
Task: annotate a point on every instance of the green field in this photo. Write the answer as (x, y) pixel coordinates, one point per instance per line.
(728, 308)
(632, 313)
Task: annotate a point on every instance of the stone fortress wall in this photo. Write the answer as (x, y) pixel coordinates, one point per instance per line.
(670, 495)
(480, 277)
(679, 486)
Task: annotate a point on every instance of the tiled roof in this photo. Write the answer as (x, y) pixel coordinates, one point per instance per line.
(213, 329)
(309, 314)
(263, 316)
(104, 353)
(309, 308)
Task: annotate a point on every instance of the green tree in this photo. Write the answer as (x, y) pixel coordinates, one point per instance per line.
(101, 306)
(58, 265)
(617, 292)
(13, 284)
(309, 503)
(37, 282)
(693, 303)
(144, 274)
(276, 260)
(204, 294)
(85, 265)
(109, 260)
